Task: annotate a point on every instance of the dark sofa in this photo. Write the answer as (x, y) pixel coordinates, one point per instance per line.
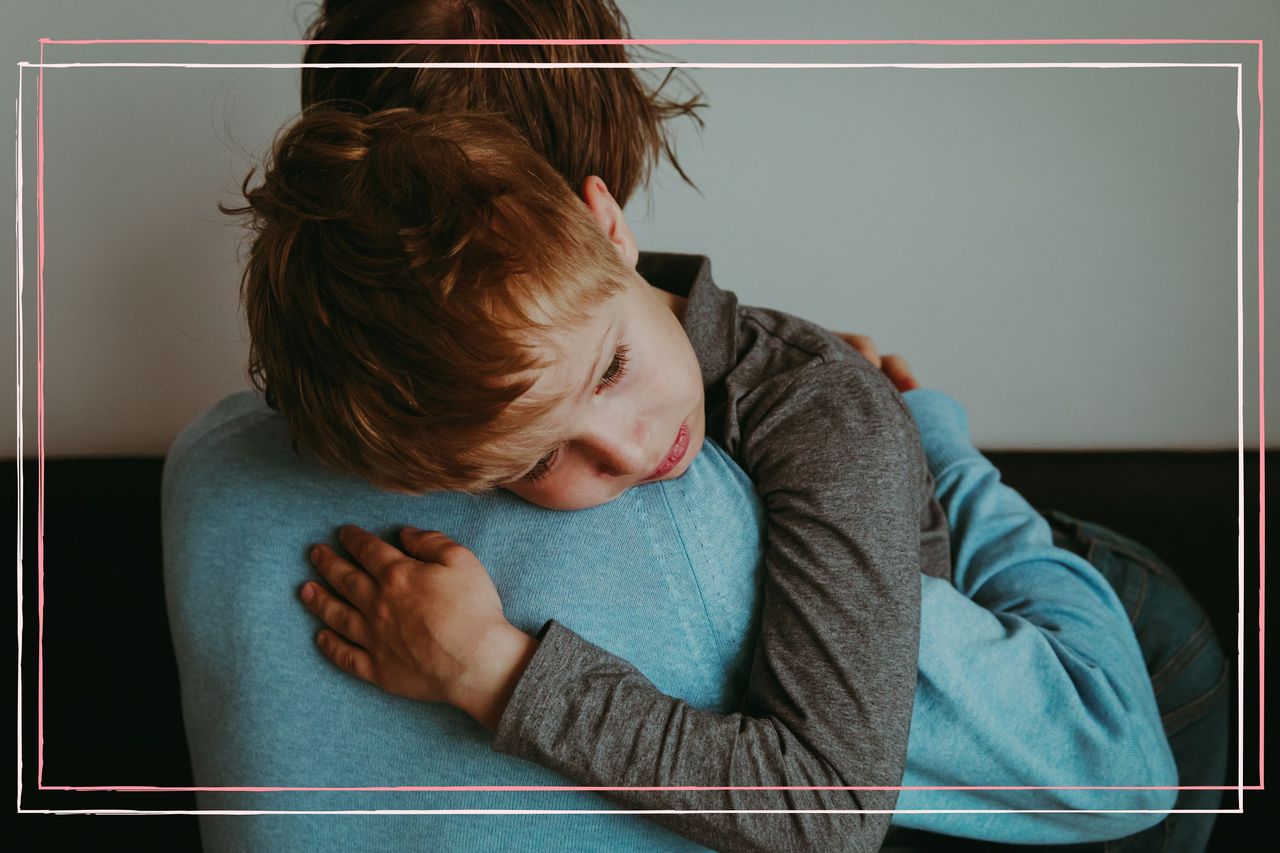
(111, 708)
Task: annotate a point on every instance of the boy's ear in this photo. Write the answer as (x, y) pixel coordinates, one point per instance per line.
(608, 216)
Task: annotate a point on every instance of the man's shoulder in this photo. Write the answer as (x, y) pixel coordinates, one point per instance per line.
(234, 414)
(235, 434)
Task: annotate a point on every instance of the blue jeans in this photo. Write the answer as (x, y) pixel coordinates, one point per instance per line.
(1188, 670)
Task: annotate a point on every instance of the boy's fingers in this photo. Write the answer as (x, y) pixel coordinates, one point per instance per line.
(349, 658)
(338, 615)
(374, 554)
(352, 582)
(895, 367)
(430, 546)
(862, 344)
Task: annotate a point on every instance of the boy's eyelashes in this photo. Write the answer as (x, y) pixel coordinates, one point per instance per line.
(612, 376)
(542, 468)
(617, 367)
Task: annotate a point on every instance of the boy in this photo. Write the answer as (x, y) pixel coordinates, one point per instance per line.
(425, 296)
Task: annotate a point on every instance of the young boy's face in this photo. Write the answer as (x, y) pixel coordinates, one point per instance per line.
(634, 411)
(634, 408)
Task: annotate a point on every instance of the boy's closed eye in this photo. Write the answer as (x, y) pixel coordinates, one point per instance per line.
(633, 416)
(612, 376)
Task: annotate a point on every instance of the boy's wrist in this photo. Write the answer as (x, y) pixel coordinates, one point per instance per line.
(486, 687)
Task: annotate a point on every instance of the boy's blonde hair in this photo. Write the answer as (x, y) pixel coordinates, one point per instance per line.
(404, 274)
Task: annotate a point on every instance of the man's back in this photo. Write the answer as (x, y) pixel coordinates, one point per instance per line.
(264, 709)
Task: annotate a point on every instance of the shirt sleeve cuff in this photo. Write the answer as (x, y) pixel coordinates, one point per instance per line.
(543, 688)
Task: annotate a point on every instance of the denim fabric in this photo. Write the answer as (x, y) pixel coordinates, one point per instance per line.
(1188, 669)
(667, 577)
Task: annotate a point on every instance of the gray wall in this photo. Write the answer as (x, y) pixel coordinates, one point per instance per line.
(1055, 247)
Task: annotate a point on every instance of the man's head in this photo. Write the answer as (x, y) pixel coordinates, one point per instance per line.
(425, 296)
(608, 122)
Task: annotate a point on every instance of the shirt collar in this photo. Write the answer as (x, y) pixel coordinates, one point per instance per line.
(711, 314)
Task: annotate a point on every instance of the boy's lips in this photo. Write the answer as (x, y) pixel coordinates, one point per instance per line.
(678, 448)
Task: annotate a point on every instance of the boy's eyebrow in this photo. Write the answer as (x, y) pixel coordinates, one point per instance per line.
(595, 366)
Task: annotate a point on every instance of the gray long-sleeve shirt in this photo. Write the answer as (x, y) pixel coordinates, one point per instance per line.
(852, 521)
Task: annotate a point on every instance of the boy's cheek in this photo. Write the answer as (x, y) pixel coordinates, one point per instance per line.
(564, 496)
(695, 447)
(523, 491)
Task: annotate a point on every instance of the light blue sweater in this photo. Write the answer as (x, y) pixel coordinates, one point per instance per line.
(1029, 672)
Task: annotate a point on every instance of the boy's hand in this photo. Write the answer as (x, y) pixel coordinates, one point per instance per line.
(893, 366)
(425, 623)
(863, 344)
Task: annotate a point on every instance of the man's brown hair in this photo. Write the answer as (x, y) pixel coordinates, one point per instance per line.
(608, 122)
(404, 272)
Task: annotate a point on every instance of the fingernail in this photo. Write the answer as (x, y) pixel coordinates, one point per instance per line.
(314, 554)
(308, 593)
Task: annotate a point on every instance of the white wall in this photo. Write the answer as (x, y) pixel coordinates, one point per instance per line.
(1055, 247)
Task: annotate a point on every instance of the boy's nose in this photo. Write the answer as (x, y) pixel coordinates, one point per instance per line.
(625, 455)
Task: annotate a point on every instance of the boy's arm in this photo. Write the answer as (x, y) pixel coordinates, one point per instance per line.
(1072, 703)
(829, 698)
